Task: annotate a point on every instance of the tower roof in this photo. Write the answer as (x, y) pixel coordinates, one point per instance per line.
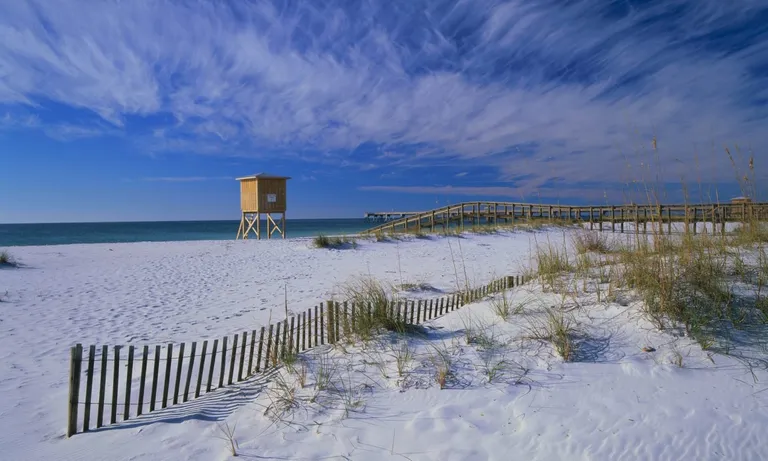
(263, 176)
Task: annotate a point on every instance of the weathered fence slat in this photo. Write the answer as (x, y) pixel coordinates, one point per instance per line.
(336, 321)
(168, 368)
(329, 320)
(155, 377)
(232, 360)
(276, 346)
(202, 370)
(258, 355)
(75, 365)
(128, 378)
(250, 353)
(102, 388)
(286, 345)
(316, 329)
(242, 356)
(142, 384)
(115, 386)
(267, 356)
(190, 370)
(322, 336)
(212, 367)
(88, 388)
(418, 312)
(223, 361)
(179, 369)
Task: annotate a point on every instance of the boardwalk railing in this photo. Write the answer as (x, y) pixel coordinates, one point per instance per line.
(112, 384)
(489, 213)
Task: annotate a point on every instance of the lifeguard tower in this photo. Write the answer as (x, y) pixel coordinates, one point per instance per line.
(260, 194)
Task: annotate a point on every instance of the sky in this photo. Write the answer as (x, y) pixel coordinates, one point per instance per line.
(147, 110)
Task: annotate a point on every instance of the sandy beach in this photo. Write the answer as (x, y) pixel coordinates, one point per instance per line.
(615, 402)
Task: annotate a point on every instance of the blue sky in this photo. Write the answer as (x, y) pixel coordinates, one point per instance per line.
(148, 110)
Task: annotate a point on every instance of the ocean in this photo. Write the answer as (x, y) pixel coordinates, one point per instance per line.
(170, 231)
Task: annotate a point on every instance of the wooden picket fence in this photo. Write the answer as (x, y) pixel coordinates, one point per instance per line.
(149, 379)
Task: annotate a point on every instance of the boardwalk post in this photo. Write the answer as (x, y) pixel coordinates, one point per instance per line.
(637, 220)
(621, 217)
(669, 220)
(695, 209)
(75, 364)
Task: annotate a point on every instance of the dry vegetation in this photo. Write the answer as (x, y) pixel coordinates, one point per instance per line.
(6, 259)
(324, 241)
(705, 285)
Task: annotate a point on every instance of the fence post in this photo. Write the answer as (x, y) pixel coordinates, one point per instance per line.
(242, 356)
(89, 388)
(75, 365)
(329, 326)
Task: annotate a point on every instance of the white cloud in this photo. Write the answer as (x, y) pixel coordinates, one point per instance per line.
(186, 178)
(513, 193)
(587, 83)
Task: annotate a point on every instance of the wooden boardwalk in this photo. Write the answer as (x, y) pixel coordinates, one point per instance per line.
(472, 214)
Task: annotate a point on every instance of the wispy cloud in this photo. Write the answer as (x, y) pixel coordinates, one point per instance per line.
(186, 178)
(546, 89)
(514, 193)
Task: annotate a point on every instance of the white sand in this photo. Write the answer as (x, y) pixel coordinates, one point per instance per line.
(617, 403)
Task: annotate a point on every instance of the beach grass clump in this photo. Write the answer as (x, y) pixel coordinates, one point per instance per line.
(558, 329)
(551, 263)
(374, 313)
(6, 259)
(486, 229)
(418, 234)
(591, 242)
(683, 280)
(751, 233)
(336, 242)
(503, 305)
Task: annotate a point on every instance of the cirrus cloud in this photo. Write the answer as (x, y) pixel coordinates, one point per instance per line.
(546, 89)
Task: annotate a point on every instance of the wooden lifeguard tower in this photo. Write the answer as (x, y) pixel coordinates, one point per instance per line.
(260, 194)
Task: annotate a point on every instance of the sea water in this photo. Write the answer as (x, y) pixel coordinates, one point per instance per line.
(116, 232)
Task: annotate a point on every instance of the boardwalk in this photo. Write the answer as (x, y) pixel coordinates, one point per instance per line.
(490, 213)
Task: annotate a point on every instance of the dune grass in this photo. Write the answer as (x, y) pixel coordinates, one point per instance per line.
(324, 241)
(374, 302)
(6, 259)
